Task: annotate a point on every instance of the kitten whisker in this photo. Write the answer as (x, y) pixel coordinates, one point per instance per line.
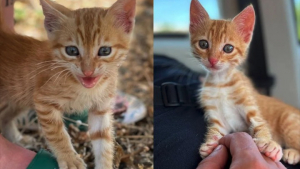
(41, 67)
(51, 61)
(57, 67)
(67, 75)
(51, 78)
(48, 68)
(60, 74)
(40, 72)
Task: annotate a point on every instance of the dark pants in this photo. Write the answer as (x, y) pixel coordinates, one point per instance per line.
(178, 131)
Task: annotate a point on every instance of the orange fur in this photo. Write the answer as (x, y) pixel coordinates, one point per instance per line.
(231, 103)
(42, 75)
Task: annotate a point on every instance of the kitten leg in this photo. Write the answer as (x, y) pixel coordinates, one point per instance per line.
(291, 156)
(261, 133)
(51, 121)
(9, 127)
(215, 132)
(291, 136)
(12, 133)
(101, 134)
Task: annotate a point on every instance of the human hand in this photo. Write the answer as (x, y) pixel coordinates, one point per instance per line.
(216, 160)
(244, 152)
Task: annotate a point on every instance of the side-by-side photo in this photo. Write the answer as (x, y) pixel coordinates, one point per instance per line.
(149, 84)
(76, 84)
(226, 84)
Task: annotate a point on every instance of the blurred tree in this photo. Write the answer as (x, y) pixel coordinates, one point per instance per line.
(297, 6)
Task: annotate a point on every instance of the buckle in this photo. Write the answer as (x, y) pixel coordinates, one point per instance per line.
(169, 92)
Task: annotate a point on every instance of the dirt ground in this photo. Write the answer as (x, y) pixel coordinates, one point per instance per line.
(135, 141)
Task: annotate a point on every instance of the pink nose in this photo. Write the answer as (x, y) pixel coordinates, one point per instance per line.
(88, 72)
(213, 61)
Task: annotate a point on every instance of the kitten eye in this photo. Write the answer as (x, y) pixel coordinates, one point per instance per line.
(104, 51)
(228, 48)
(203, 44)
(72, 51)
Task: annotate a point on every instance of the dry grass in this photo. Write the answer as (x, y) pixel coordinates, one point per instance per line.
(136, 77)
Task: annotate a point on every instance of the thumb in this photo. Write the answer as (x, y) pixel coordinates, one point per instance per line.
(216, 160)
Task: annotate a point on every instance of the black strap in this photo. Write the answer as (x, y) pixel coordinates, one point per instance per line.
(172, 94)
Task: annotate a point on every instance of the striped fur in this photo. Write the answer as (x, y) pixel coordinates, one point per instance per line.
(40, 75)
(230, 101)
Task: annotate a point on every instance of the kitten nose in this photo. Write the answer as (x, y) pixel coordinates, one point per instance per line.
(213, 61)
(88, 72)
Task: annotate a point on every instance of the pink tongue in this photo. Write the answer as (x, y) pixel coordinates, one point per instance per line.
(89, 82)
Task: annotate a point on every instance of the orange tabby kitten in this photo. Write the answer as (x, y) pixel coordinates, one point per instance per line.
(230, 101)
(75, 70)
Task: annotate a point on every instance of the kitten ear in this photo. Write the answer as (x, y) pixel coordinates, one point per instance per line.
(55, 15)
(124, 13)
(244, 23)
(198, 15)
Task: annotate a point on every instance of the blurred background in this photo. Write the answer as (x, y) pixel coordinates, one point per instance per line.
(135, 141)
(274, 56)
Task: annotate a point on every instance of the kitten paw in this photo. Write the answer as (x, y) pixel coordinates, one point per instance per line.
(208, 147)
(26, 141)
(71, 162)
(270, 148)
(291, 156)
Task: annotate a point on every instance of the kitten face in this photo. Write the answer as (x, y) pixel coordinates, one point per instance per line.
(219, 44)
(90, 43)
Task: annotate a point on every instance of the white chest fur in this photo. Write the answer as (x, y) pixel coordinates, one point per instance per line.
(231, 115)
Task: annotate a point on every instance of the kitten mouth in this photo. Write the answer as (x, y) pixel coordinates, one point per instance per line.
(89, 82)
(212, 68)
